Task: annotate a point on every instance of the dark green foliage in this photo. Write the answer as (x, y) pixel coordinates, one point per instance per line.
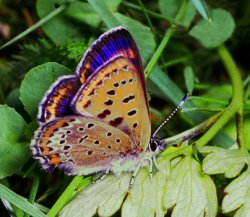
(186, 46)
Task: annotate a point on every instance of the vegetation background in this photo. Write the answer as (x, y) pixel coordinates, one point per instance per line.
(195, 46)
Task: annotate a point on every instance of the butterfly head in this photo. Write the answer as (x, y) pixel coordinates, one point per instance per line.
(156, 145)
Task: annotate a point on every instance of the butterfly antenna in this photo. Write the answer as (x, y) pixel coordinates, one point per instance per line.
(172, 114)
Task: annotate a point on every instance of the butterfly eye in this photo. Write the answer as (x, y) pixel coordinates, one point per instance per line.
(153, 146)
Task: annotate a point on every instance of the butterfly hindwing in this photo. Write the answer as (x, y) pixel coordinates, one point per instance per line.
(79, 145)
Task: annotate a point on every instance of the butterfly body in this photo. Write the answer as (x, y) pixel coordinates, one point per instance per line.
(98, 120)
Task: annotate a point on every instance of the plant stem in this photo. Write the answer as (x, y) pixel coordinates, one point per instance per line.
(164, 41)
(236, 105)
(64, 198)
(104, 13)
(33, 192)
(188, 134)
(151, 13)
(146, 15)
(44, 20)
(237, 84)
(158, 52)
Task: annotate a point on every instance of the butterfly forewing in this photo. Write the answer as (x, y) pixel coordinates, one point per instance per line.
(116, 96)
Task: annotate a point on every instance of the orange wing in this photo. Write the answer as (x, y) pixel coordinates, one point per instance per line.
(116, 96)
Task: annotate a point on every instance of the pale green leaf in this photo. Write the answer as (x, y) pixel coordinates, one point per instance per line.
(107, 196)
(210, 189)
(146, 197)
(104, 197)
(238, 196)
(220, 160)
(189, 192)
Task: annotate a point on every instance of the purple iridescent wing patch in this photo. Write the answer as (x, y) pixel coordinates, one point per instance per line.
(57, 101)
(116, 42)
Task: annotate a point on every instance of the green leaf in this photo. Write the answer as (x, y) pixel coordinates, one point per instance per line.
(201, 6)
(37, 81)
(190, 192)
(83, 12)
(238, 196)
(13, 152)
(59, 29)
(31, 127)
(107, 196)
(205, 104)
(161, 85)
(189, 78)
(20, 202)
(139, 31)
(220, 160)
(13, 99)
(104, 13)
(215, 32)
(170, 8)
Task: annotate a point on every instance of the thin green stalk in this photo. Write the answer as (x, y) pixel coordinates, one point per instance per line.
(151, 13)
(33, 192)
(64, 198)
(146, 15)
(238, 92)
(236, 105)
(44, 20)
(176, 61)
(158, 52)
(164, 41)
(189, 134)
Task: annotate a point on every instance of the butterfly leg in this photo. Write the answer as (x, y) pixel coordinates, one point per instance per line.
(150, 161)
(132, 180)
(155, 163)
(102, 177)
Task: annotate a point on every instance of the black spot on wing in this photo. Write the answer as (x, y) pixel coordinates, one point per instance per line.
(116, 122)
(104, 114)
(116, 84)
(108, 102)
(128, 98)
(90, 125)
(135, 125)
(132, 112)
(111, 92)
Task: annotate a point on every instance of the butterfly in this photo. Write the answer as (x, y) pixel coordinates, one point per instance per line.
(98, 120)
